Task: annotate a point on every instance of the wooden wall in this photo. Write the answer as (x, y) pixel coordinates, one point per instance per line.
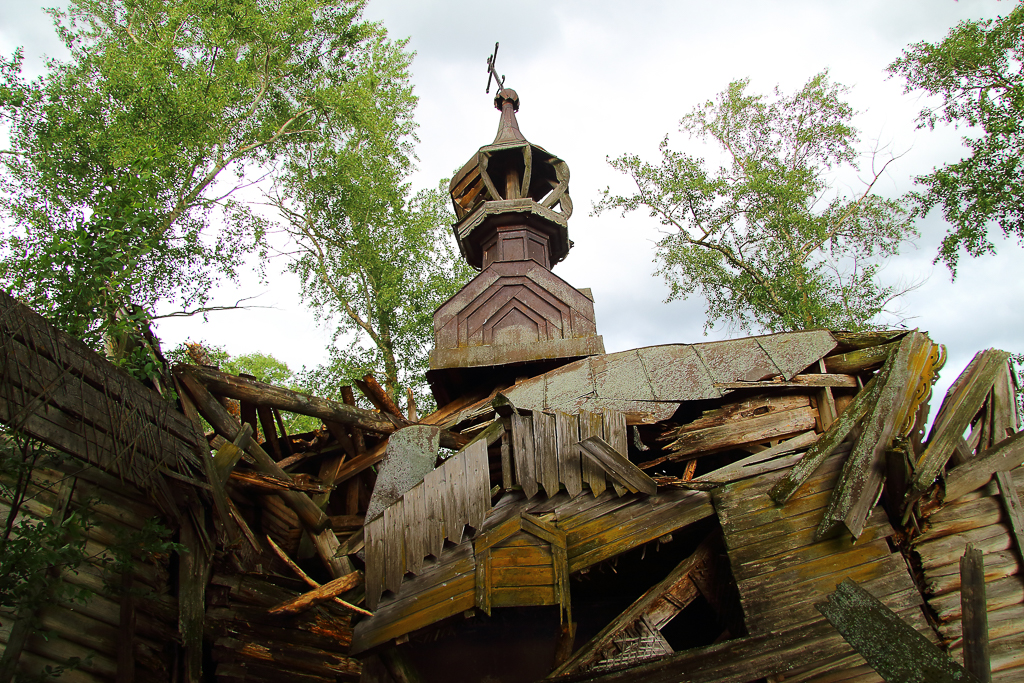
(137, 624)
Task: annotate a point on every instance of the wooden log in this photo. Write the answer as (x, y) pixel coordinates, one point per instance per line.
(753, 406)
(285, 399)
(754, 465)
(892, 648)
(972, 475)
(974, 609)
(311, 515)
(305, 577)
(193, 577)
(380, 399)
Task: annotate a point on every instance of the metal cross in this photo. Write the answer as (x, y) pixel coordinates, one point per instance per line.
(492, 73)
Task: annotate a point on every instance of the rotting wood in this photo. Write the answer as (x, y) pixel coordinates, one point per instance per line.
(974, 610)
(545, 452)
(591, 424)
(892, 648)
(322, 593)
(649, 602)
(863, 474)
(1012, 507)
(962, 406)
(820, 451)
(305, 577)
(754, 465)
(380, 399)
(860, 360)
(972, 475)
(523, 452)
(816, 380)
(617, 465)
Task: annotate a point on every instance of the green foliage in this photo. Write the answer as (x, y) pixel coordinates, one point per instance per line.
(978, 72)
(766, 238)
(375, 261)
(123, 160)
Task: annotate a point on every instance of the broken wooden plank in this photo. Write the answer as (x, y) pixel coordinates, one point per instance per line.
(380, 399)
(819, 452)
(375, 560)
(305, 577)
(738, 433)
(545, 452)
(863, 474)
(591, 424)
(1012, 507)
(957, 412)
(817, 380)
(433, 488)
(523, 452)
(753, 465)
(394, 546)
(567, 435)
(893, 649)
(322, 593)
(860, 360)
(618, 466)
(974, 610)
(972, 475)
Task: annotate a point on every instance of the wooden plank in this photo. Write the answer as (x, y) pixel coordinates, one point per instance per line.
(323, 593)
(375, 561)
(1014, 512)
(478, 482)
(973, 474)
(433, 498)
(506, 461)
(455, 476)
(892, 648)
(974, 608)
(816, 380)
(445, 600)
(961, 409)
(669, 511)
(863, 474)
(592, 424)
(819, 452)
(860, 360)
(521, 556)
(394, 545)
(483, 580)
(617, 465)
(567, 435)
(756, 464)
(739, 433)
(943, 551)
(523, 596)
(546, 451)
(615, 432)
(506, 577)
(415, 528)
(523, 452)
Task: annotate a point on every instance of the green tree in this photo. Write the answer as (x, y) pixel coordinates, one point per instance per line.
(140, 141)
(766, 238)
(978, 72)
(375, 260)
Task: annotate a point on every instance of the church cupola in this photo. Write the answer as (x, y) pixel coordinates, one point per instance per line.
(515, 318)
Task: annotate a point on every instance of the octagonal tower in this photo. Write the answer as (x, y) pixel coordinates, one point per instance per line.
(516, 318)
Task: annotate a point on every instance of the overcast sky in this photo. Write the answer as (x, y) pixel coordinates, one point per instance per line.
(598, 78)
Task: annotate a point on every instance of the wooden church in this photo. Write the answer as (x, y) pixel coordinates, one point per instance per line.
(759, 509)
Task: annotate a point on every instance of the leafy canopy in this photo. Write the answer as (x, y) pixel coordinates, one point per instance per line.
(119, 183)
(978, 72)
(766, 238)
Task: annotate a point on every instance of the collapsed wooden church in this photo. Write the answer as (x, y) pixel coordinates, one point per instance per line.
(766, 508)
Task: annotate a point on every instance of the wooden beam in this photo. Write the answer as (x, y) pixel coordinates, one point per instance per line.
(817, 380)
(617, 465)
(974, 614)
(1012, 507)
(322, 593)
(975, 473)
(380, 399)
(891, 647)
